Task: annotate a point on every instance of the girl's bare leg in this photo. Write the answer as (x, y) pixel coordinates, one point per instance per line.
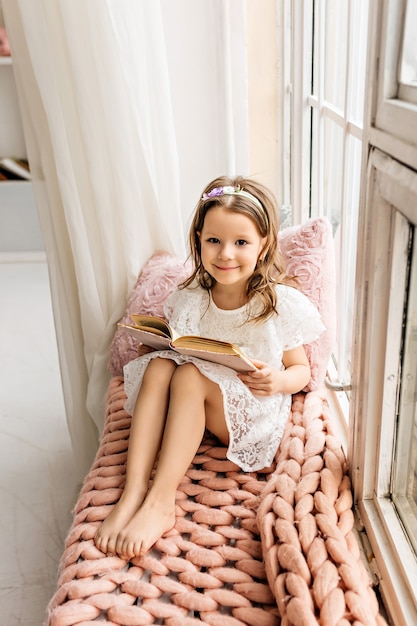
(195, 402)
(148, 423)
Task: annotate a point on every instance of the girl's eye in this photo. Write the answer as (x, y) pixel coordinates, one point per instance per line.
(213, 240)
(241, 242)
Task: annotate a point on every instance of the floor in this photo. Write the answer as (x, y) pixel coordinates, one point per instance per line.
(37, 472)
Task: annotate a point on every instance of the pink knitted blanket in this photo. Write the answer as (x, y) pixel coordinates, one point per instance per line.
(259, 549)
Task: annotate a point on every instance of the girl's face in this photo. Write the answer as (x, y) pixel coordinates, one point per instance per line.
(230, 246)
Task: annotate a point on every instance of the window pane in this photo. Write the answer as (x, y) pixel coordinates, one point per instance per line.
(315, 53)
(404, 487)
(315, 164)
(333, 159)
(408, 72)
(357, 60)
(337, 103)
(345, 251)
(336, 16)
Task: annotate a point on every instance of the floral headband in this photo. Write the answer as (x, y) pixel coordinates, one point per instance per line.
(232, 191)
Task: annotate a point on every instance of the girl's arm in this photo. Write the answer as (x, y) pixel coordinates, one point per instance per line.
(268, 380)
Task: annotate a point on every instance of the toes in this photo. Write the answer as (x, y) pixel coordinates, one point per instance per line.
(128, 549)
(143, 548)
(119, 544)
(101, 542)
(111, 546)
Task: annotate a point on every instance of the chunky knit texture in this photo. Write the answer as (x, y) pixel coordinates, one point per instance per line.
(258, 549)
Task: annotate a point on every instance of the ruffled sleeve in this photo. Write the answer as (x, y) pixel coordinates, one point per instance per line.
(300, 322)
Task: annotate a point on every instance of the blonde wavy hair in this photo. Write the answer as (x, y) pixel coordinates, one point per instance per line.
(269, 270)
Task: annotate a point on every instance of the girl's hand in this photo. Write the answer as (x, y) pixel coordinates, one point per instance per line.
(142, 349)
(265, 381)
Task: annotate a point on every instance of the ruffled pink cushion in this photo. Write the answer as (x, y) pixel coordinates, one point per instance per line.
(309, 255)
(158, 279)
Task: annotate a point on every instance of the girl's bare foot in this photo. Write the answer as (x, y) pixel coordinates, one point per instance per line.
(147, 525)
(107, 534)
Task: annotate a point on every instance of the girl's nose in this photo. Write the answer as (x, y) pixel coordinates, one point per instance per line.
(226, 251)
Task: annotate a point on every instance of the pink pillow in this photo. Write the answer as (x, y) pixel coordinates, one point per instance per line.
(158, 279)
(308, 253)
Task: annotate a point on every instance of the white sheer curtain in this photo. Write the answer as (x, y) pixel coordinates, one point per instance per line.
(129, 107)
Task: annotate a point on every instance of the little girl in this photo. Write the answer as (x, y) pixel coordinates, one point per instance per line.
(238, 292)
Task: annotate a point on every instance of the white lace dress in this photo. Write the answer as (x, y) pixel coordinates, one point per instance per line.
(255, 423)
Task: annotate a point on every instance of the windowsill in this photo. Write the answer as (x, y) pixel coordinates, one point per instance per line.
(338, 402)
(395, 567)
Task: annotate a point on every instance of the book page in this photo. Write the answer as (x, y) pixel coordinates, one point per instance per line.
(214, 350)
(148, 338)
(205, 343)
(235, 361)
(153, 324)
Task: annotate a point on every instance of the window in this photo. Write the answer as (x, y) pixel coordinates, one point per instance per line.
(354, 159)
(328, 122)
(383, 444)
(408, 66)
(394, 108)
(404, 478)
(383, 440)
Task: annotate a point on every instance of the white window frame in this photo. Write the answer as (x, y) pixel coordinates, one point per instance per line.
(389, 205)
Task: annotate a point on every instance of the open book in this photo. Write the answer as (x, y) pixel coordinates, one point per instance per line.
(156, 333)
